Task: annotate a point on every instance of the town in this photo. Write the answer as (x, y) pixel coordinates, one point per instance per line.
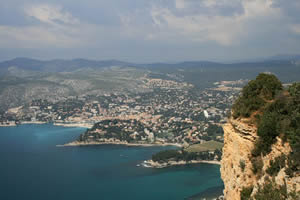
(168, 112)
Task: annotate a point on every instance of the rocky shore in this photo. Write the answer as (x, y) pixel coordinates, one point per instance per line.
(152, 164)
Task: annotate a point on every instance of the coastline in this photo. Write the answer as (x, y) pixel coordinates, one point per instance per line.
(79, 125)
(76, 143)
(23, 122)
(32, 122)
(152, 164)
(7, 125)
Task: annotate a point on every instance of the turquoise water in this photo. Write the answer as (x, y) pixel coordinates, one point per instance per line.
(33, 168)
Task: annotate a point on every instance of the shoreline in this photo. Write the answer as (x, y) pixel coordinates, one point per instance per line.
(7, 125)
(30, 122)
(76, 143)
(79, 125)
(157, 165)
(21, 123)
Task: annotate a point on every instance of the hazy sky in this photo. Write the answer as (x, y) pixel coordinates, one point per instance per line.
(149, 30)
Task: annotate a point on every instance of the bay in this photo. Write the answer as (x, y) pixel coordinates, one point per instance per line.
(33, 168)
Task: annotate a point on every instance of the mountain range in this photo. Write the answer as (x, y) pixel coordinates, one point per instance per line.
(60, 65)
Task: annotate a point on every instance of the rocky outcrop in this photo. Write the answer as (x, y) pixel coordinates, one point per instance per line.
(153, 164)
(238, 142)
(236, 165)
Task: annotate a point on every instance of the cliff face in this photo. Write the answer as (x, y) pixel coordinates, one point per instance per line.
(236, 165)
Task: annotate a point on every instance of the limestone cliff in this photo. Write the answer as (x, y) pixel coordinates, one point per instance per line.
(236, 166)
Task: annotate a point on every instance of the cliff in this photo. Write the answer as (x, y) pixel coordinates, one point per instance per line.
(261, 153)
(236, 164)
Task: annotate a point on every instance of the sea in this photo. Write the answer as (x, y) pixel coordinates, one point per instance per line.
(32, 167)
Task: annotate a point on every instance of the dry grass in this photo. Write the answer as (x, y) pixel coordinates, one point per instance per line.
(207, 146)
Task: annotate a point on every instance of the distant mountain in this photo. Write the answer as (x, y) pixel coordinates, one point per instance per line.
(185, 64)
(58, 65)
(294, 57)
(61, 65)
(24, 79)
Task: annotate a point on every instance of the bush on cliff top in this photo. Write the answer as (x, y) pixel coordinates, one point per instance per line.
(278, 114)
(255, 94)
(281, 117)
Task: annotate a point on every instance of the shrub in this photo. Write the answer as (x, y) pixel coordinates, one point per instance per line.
(293, 163)
(278, 116)
(242, 165)
(246, 193)
(275, 192)
(165, 155)
(267, 131)
(276, 165)
(257, 165)
(271, 191)
(255, 94)
(294, 90)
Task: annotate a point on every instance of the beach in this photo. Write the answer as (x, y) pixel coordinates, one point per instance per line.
(79, 125)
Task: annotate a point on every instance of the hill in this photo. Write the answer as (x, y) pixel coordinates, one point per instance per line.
(25, 79)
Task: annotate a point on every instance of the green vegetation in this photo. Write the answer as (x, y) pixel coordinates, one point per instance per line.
(182, 155)
(206, 146)
(166, 155)
(214, 130)
(257, 165)
(256, 94)
(276, 111)
(293, 163)
(272, 191)
(242, 165)
(269, 191)
(276, 165)
(246, 193)
(209, 150)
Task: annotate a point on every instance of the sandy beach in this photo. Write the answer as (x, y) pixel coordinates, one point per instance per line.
(7, 125)
(31, 122)
(23, 122)
(80, 125)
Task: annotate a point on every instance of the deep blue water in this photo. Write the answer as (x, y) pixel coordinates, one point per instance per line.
(33, 168)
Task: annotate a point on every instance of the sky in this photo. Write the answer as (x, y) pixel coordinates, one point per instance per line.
(149, 30)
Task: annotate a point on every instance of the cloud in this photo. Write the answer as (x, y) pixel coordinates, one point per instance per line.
(180, 4)
(246, 27)
(51, 14)
(295, 28)
(204, 27)
(34, 37)
(55, 28)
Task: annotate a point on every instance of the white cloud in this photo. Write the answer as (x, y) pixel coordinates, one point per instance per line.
(202, 26)
(295, 28)
(34, 36)
(57, 28)
(225, 30)
(51, 14)
(180, 4)
(210, 3)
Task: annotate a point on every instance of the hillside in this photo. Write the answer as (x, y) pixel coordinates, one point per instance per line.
(261, 154)
(23, 79)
